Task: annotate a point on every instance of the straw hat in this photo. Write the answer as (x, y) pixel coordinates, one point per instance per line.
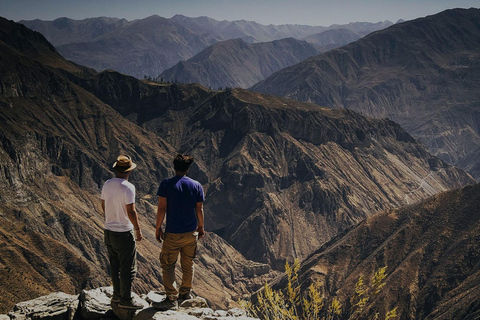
(124, 164)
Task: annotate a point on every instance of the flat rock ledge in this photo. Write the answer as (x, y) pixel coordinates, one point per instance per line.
(96, 305)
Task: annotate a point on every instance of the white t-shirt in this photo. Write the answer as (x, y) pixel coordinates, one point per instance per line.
(117, 193)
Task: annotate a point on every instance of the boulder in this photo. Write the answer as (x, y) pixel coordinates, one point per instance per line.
(237, 312)
(55, 306)
(154, 296)
(200, 312)
(96, 304)
(220, 313)
(197, 302)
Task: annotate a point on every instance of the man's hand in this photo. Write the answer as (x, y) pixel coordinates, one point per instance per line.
(201, 232)
(159, 235)
(138, 235)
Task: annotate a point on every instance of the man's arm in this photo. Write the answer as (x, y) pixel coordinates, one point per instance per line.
(200, 216)
(161, 210)
(133, 217)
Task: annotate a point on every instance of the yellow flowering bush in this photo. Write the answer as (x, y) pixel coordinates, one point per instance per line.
(312, 305)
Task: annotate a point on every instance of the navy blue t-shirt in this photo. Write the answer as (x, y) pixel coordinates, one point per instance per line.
(182, 195)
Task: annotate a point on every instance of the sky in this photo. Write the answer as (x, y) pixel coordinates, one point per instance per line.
(307, 12)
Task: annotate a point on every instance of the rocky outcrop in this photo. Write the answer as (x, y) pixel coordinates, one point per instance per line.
(96, 304)
(422, 74)
(58, 306)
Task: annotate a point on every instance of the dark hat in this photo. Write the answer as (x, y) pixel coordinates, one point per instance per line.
(124, 164)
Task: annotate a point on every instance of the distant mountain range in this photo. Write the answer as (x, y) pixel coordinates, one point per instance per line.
(423, 74)
(332, 39)
(235, 63)
(151, 45)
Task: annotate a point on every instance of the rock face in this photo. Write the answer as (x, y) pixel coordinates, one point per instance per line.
(281, 177)
(235, 63)
(59, 306)
(431, 251)
(151, 45)
(422, 74)
(95, 304)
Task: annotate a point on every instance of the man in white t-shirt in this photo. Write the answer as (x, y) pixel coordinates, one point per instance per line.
(122, 230)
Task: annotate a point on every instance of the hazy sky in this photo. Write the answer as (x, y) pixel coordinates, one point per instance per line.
(309, 12)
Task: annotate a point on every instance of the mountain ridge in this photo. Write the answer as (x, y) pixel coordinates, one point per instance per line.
(235, 63)
(420, 73)
(79, 40)
(226, 128)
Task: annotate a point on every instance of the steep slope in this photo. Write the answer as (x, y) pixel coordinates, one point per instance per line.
(431, 251)
(143, 47)
(283, 175)
(234, 63)
(422, 73)
(57, 144)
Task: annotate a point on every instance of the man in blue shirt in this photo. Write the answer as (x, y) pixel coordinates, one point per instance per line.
(180, 199)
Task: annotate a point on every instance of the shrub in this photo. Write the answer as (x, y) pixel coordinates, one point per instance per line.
(312, 305)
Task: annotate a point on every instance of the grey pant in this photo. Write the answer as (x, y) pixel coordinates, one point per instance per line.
(122, 254)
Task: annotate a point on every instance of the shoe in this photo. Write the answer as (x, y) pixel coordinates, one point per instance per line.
(130, 305)
(166, 304)
(185, 296)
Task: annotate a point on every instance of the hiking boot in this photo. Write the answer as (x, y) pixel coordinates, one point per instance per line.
(185, 296)
(166, 304)
(130, 305)
(115, 300)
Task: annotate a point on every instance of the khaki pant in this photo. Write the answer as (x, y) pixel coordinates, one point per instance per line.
(173, 244)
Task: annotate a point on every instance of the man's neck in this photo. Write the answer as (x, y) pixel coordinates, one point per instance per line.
(181, 173)
(122, 176)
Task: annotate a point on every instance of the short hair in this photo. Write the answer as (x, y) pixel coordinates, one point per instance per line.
(182, 162)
